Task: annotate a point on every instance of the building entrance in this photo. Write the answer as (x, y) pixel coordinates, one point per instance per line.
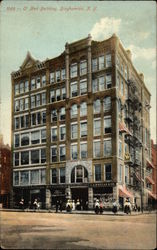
(81, 194)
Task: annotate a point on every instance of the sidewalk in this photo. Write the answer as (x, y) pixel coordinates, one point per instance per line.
(84, 212)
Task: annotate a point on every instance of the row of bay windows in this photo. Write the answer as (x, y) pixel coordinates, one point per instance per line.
(37, 118)
(35, 101)
(59, 75)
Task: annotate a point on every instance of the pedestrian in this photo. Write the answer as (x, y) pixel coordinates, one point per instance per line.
(73, 205)
(35, 204)
(21, 204)
(127, 206)
(57, 205)
(60, 205)
(78, 204)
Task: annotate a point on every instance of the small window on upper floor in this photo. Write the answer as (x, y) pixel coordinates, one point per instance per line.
(97, 106)
(52, 77)
(32, 83)
(101, 62)
(94, 64)
(38, 83)
(16, 89)
(73, 70)
(83, 67)
(108, 60)
(58, 75)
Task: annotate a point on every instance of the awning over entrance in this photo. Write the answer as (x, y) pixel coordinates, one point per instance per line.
(154, 196)
(150, 180)
(150, 164)
(123, 192)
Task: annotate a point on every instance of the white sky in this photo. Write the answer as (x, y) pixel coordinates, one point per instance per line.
(44, 27)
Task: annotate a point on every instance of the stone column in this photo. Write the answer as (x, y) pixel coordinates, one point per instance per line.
(89, 64)
(67, 68)
(90, 198)
(48, 198)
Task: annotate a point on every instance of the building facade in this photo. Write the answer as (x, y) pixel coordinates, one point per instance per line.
(80, 126)
(5, 174)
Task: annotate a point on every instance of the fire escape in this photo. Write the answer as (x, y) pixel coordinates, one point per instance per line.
(133, 136)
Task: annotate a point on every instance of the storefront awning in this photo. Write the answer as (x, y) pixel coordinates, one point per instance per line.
(123, 192)
(154, 196)
(150, 180)
(150, 164)
(123, 128)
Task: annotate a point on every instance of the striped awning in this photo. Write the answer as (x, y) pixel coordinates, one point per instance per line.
(149, 163)
(150, 180)
(123, 192)
(154, 196)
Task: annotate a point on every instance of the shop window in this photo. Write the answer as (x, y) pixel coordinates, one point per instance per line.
(25, 158)
(97, 172)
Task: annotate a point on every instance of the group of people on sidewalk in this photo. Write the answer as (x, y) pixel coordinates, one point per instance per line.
(35, 205)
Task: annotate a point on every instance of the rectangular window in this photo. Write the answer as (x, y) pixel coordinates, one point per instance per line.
(107, 103)
(97, 106)
(34, 177)
(43, 155)
(38, 82)
(16, 89)
(107, 125)
(74, 111)
(58, 75)
(21, 87)
(74, 89)
(63, 74)
(38, 117)
(74, 152)
(62, 133)
(21, 104)
(22, 122)
(43, 135)
(97, 127)
(83, 150)
(54, 134)
(43, 116)
(83, 109)
(42, 176)
(16, 159)
(108, 60)
(108, 172)
(62, 114)
(95, 87)
(38, 100)
(26, 86)
(25, 139)
(32, 83)
(94, 64)
(27, 120)
(74, 128)
(35, 137)
(54, 115)
(83, 87)
(101, 83)
(16, 122)
(108, 81)
(43, 97)
(62, 153)
(52, 77)
(107, 147)
(101, 62)
(97, 172)
(16, 178)
(83, 129)
(25, 158)
(33, 119)
(17, 140)
(83, 67)
(24, 177)
(43, 80)
(54, 175)
(120, 173)
(52, 96)
(63, 93)
(16, 106)
(35, 156)
(33, 101)
(26, 103)
(62, 175)
(73, 70)
(58, 94)
(54, 154)
(96, 146)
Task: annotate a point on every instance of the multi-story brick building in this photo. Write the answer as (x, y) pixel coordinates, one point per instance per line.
(5, 173)
(80, 125)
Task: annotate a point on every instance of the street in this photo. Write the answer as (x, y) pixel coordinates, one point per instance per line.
(25, 230)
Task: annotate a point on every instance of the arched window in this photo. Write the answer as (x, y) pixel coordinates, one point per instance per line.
(79, 174)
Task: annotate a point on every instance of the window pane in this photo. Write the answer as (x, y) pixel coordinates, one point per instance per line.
(17, 140)
(94, 64)
(107, 125)
(62, 153)
(43, 155)
(83, 109)
(97, 172)
(24, 139)
(107, 148)
(73, 131)
(73, 70)
(54, 154)
(83, 129)
(97, 149)
(97, 106)
(62, 175)
(83, 87)
(97, 127)
(101, 62)
(43, 135)
(35, 137)
(16, 155)
(34, 177)
(34, 156)
(74, 152)
(42, 176)
(108, 172)
(54, 175)
(83, 67)
(83, 149)
(24, 180)
(74, 111)
(107, 103)
(16, 178)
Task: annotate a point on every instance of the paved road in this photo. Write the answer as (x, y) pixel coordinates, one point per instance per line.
(22, 230)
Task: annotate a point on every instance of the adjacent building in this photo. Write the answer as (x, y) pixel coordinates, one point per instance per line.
(5, 174)
(80, 126)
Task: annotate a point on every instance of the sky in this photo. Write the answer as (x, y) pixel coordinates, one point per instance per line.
(43, 28)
